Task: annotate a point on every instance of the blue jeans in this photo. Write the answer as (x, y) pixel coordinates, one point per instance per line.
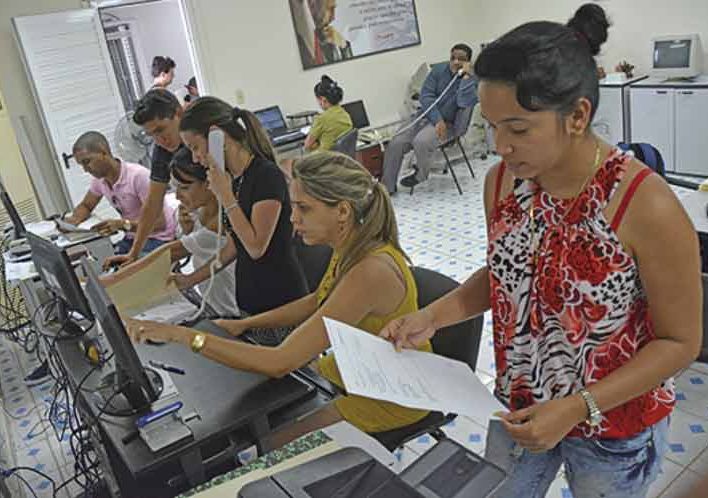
(123, 247)
(594, 468)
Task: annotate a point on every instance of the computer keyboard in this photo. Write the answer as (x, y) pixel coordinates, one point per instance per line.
(266, 336)
(288, 136)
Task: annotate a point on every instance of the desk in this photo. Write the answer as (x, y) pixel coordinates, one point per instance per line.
(237, 409)
(695, 203)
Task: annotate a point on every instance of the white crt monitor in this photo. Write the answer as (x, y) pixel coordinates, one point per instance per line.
(679, 56)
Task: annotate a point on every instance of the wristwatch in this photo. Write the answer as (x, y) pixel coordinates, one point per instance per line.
(127, 225)
(198, 342)
(594, 414)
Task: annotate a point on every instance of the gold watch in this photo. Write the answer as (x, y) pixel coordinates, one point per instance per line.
(198, 342)
(127, 225)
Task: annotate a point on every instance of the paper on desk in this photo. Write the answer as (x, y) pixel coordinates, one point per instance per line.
(44, 228)
(18, 271)
(371, 367)
(144, 290)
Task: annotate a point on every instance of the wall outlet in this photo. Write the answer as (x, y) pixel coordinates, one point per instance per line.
(240, 97)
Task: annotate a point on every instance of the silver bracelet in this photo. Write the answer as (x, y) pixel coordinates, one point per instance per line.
(229, 208)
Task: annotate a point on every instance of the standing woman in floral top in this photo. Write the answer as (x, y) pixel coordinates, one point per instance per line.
(592, 277)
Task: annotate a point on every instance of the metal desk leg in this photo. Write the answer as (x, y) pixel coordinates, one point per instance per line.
(193, 467)
(260, 429)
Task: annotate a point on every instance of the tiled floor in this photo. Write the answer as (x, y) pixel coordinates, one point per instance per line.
(440, 230)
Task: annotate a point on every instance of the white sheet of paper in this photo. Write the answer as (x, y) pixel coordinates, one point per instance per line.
(371, 367)
(15, 272)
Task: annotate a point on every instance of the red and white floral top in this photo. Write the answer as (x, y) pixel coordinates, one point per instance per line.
(582, 312)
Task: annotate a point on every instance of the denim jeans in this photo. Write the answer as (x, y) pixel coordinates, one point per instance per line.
(123, 247)
(594, 468)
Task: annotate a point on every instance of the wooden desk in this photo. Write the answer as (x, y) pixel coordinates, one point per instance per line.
(371, 157)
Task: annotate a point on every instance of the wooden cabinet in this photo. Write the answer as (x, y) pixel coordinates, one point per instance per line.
(371, 157)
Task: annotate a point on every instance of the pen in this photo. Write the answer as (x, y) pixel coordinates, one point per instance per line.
(166, 368)
(156, 415)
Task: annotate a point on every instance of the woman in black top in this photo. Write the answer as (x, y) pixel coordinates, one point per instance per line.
(254, 196)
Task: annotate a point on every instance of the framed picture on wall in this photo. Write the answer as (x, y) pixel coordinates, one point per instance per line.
(329, 31)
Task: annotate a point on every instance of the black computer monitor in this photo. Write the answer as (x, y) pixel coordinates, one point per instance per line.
(138, 386)
(12, 213)
(271, 118)
(358, 114)
(57, 274)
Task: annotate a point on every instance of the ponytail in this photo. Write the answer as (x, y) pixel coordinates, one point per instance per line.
(239, 124)
(333, 178)
(256, 137)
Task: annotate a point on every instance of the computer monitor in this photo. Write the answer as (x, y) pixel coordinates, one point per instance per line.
(271, 118)
(57, 274)
(12, 213)
(677, 57)
(357, 112)
(139, 386)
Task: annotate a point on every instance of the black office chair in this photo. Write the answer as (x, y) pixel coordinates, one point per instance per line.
(313, 261)
(346, 144)
(462, 124)
(646, 153)
(703, 356)
(459, 342)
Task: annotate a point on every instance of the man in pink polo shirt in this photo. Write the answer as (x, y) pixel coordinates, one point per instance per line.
(125, 186)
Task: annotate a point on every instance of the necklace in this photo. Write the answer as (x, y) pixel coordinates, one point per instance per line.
(571, 205)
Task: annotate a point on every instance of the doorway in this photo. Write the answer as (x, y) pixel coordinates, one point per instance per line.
(136, 32)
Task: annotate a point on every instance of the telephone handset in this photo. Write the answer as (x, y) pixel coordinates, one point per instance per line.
(216, 147)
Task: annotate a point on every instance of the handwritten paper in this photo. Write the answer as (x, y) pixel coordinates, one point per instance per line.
(371, 367)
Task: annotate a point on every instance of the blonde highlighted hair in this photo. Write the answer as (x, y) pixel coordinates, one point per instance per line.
(332, 178)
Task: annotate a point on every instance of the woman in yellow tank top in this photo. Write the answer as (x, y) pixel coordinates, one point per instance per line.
(335, 202)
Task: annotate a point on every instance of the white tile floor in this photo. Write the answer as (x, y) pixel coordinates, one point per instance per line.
(440, 230)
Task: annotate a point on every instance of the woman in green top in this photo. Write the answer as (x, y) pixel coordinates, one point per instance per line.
(333, 122)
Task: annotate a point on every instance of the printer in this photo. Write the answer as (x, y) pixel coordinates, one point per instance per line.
(447, 470)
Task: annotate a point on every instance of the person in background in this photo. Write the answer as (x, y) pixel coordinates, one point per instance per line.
(199, 237)
(333, 122)
(439, 122)
(163, 72)
(254, 196)
(593, 312)
(335, 202)
(158, 112)
(192, 90)
(126, 187)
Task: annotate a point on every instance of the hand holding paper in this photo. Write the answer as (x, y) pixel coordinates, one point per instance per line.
(371, 367)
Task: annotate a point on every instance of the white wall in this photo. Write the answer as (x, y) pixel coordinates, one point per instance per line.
(161, 32)
(635, 22)
(251, 46)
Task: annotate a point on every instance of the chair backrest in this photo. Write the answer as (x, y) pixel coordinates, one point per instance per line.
(313, 261)
(646, 153)
(463, 118)
(346, 144)
(461, 341)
